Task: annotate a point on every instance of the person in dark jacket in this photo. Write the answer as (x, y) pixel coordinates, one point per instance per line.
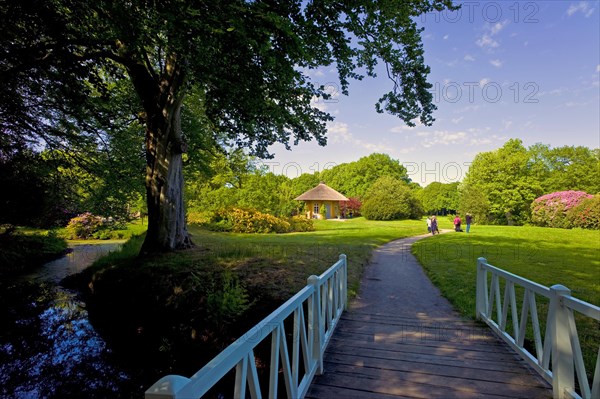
(468, 220)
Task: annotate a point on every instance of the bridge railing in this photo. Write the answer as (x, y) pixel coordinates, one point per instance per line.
(558, 356)
(324, 298)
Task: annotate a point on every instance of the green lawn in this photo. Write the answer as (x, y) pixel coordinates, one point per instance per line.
(301, 254)
(216, 291)
(544, 255)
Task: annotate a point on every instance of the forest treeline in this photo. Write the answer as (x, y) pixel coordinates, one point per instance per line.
(48, 188)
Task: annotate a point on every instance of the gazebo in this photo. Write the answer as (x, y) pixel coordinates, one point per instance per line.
(322, 201)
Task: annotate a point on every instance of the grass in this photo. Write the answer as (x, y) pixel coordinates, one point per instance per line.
(133, 228)
(544, 255)
(25, 249)
(181, 309)
(299, 255)
(168, 306)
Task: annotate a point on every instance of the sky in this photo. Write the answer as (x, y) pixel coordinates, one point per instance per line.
(499, 70)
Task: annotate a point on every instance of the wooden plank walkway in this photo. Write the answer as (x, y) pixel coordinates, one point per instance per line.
(401, 339)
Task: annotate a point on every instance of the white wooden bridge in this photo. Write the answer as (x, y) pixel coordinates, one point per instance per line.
(414, 354)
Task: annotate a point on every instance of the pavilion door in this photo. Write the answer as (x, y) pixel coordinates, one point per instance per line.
(328, 211)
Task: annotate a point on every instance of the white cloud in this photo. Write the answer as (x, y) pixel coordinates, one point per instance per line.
(598, 68)
(583, 6)
(339, 133)
(496, 63)
(318, 103)
(405, 150)
(486, 41)
(469, 57)
(497, 27)
(457, 120)
(483, 82)
(446, 37)
(444, 137)
(406, 128)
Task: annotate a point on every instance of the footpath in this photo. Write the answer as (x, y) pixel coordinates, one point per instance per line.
(401, 339)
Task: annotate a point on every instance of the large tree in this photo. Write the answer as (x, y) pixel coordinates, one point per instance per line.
(505, 180)
(245, 62)
(354, 179)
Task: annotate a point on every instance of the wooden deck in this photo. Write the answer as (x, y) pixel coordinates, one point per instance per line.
(382, 349)
(382, 356)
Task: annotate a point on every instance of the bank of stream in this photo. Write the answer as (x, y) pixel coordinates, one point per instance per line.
(48, 348)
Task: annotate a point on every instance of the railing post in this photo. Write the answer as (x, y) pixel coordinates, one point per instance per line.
(315, 323)
(166, 388)
(562, 351)
(480, 305)
(344, 259)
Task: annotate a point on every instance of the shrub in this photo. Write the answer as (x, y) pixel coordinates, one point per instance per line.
(87, 226)
(300, 223)
(390, 199)
(351, 207)
(238, 220)
(84, 226)
(586, 214)
(198, 217)
(550, 210)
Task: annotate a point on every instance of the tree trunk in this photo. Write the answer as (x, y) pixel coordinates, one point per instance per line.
(164, 183)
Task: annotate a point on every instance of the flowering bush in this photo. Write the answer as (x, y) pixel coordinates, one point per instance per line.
(198, 217)
(238, 220)
(586, 214)
(351, 207)
(84, 226)
(301, 223)
(551, 209)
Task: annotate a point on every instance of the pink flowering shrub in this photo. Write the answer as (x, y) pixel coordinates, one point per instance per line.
(551, 210)
(586, 214)
(84, 226)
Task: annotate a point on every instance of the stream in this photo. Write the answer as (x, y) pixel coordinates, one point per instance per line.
(48, 348)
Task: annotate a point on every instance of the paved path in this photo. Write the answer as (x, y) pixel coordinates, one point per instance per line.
(401, 339)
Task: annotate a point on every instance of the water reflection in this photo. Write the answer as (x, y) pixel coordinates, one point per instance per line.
(48, 349)
(79, 257)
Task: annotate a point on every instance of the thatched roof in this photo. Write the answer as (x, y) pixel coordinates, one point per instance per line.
(321, 193)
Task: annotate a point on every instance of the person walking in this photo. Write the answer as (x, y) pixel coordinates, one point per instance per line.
(457, 223)
(434, 226)
(468, 220)
(428, 224)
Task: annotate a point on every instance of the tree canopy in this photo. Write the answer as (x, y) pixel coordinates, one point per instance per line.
(354, 179)
(74, 70)
(501, 185)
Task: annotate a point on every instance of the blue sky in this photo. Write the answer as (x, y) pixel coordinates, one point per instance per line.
(500, 70)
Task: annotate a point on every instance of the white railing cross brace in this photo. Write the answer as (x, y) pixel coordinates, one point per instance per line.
(558, 357)
(325, 297)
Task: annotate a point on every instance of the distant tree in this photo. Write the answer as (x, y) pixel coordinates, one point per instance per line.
(566, 168)
(390, 199)
(244, 62)
(303, 183)
(354, 179)
(473, 201)
(265, 192)
(440, 198)
(505, 180)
